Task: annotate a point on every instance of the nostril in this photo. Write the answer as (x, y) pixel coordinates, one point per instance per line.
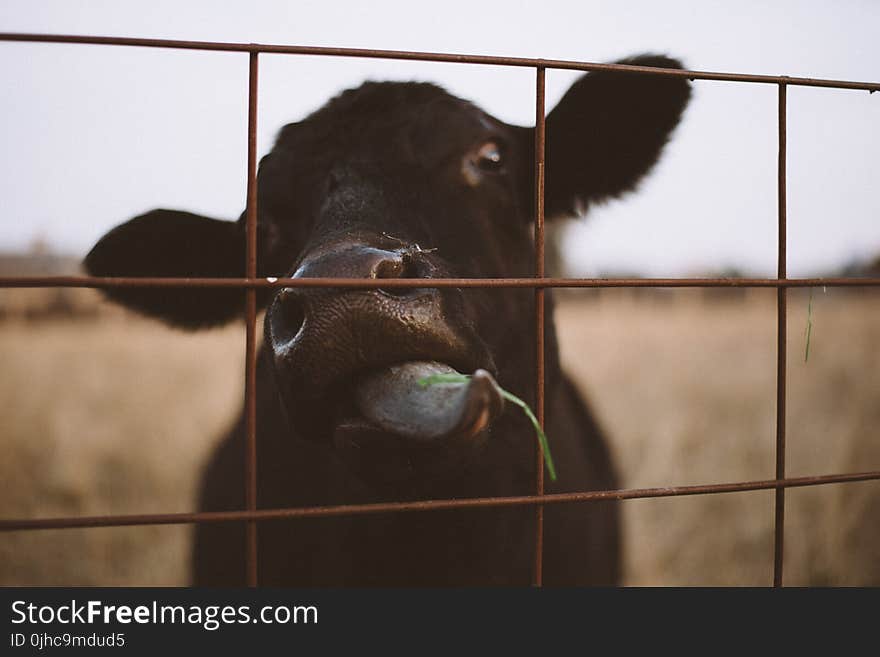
(390, 269)
(403, 266)
(286, 317)
(411, 268)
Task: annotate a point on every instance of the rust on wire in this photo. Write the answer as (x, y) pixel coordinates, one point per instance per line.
(540, 74)
(781, 344)
(31, 524)
(391, 283)
(250, 384)
(434, 57)
(251, 515)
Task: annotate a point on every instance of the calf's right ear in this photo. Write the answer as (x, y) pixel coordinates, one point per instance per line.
(608, 131)
(170, 243)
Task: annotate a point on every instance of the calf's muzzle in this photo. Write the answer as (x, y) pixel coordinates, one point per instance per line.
(350, 363)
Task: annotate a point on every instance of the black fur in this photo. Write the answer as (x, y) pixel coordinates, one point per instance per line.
(177, 245)
(608, 131)
(398, 164)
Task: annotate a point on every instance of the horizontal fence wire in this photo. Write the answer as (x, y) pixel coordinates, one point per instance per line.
(435, 57)
(250, 283)
(392, 283)
(29, 524)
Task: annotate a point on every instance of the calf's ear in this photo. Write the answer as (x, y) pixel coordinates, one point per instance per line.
(608, 131)
(170, 243)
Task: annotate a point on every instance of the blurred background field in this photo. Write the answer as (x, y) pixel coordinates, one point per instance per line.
(685, 384)
(104, 412)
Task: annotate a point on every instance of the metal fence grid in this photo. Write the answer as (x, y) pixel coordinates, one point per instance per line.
(250, 284)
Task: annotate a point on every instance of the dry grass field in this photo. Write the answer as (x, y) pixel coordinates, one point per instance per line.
(108, 413)
(687, 390)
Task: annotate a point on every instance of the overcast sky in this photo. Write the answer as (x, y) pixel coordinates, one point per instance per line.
(94, 135)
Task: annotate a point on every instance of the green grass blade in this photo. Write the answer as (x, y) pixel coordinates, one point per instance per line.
(809, 330)
(434, 379)
(542, 437)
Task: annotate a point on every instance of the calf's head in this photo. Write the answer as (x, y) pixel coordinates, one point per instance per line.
(400, 180)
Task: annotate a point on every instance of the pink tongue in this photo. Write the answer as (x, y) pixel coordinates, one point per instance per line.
(394, 399)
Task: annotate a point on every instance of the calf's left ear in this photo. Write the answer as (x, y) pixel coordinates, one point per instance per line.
(608, 131)
(170, 243)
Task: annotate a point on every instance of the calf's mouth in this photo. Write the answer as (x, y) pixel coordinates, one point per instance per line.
(354, 375)
(395, 424)
(403, 404)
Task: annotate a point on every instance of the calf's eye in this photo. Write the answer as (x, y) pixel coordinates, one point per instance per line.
(489, 157)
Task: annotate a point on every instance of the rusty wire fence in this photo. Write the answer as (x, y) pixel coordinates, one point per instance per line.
(251, 283)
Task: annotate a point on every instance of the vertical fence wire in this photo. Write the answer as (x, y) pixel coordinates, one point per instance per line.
(251, 517)
(538, 574)
(251, 320)
(781, 345)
